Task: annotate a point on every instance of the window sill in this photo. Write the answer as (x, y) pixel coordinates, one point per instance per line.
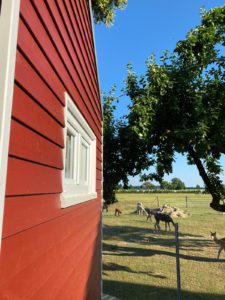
(69, 200)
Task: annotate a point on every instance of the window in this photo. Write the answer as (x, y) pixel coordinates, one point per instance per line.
(79, 176)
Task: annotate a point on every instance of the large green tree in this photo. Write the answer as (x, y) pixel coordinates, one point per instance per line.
(177, 184)
(124, 152)
(178, 105)
(148, 185)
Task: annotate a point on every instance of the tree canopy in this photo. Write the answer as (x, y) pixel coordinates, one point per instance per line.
(124, 152)
(178, 105)
(147, 185)
(105, 10)
(175, 184)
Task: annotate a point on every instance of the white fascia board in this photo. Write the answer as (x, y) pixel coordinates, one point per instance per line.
(9, 21)
(95, 50)
(96, 58)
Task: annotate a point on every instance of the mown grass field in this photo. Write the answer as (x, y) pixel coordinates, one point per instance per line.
(139, 263)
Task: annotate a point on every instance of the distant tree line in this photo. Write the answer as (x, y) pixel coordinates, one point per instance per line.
(175, 184)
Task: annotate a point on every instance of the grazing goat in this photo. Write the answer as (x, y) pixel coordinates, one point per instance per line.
(105, 207)
(140, 208)
(151, 211)
(220, 242)
(117, 212)
(159, 216)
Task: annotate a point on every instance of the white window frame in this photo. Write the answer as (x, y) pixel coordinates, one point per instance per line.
(9, 21)
(74, 191)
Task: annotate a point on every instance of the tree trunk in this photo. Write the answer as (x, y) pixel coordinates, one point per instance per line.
(216, 198)
(109, 194)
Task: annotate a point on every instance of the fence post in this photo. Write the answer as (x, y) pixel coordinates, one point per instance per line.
(158, 201)
(177, 261)
(186, 202)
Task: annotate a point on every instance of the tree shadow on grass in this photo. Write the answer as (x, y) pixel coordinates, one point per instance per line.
(164, 238)
(126, 251)
(119, 231)
(132, 291)
(117, 267)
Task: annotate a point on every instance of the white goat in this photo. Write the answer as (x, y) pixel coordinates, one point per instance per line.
(140, 208)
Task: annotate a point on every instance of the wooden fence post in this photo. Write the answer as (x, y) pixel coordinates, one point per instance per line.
(177, 261)
(158, 201)
(186, 202)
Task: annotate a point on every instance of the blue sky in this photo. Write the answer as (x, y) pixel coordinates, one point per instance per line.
(147, 26)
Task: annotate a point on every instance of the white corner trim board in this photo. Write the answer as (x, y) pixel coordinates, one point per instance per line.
(9, 21)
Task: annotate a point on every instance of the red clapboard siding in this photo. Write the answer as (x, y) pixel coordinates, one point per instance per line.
(99, 194)
(49, 252)
(91, 268)
(99, 175)
(24, 287)
(28, 45)
(34, 246)
(58, 229)
(86, 22)
(99, 155)
(84, 29)
(32, 82)
(70, 285)
(68, 230)
(24, 212)
(75, 286)
(89, 48)
(98, 164)
(98, 185)
(76, 50)
(83, 47)
(30, 113)
(29, 145)
(94, 281)
(71, 60)
(26, 178)
(57, 60)
(88, 28)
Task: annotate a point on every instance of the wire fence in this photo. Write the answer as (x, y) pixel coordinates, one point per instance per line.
(190, 202)
(186, 201)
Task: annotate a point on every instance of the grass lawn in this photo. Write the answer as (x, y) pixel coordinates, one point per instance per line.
(139, 263)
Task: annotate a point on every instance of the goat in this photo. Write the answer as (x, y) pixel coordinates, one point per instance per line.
(140, 208)
(151, 211)
(159, 216)
(117, 212)
(105, 207)
(220, 242)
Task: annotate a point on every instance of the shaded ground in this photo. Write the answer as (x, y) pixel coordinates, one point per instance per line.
(122, 290)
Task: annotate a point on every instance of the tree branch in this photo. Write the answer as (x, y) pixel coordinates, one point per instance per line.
(215, 204)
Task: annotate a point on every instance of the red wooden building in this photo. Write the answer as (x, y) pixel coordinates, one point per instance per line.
(50, 152)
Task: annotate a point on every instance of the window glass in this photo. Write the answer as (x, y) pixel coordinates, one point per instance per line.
(84, 163)
(69, 162)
